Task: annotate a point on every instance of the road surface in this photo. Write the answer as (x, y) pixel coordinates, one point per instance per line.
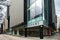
(9, 37)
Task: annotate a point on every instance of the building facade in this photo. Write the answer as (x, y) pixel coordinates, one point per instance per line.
(41, 12)
(16, 12)
(26, 15)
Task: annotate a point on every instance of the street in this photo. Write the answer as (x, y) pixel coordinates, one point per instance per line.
(9, 37)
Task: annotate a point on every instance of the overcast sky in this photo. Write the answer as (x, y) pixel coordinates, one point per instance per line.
(57, 7)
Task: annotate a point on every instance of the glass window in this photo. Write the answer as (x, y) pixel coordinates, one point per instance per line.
(34, 8)
(46, 9)
(34, 11)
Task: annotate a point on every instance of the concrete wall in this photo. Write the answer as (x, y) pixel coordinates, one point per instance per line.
(16, 12)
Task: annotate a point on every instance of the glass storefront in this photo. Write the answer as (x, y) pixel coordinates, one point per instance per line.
(36, 13)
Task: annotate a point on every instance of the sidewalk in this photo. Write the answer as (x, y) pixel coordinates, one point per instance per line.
(9, 37)
(32, 38)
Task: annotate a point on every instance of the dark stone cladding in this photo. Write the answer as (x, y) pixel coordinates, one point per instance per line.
(25, 11)
(50, 12)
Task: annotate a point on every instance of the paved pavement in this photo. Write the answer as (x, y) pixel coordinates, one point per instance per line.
(8, 37)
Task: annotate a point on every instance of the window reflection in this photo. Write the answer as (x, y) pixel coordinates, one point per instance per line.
(34, 12)
(35, 8)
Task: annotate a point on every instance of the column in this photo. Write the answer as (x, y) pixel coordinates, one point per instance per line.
(8, 17)
(1, 28)
(17, 32)
(13, 32)
(25, 32)
(41, 32)
(48, 32)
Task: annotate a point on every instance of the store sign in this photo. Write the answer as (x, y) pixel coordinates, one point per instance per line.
(35, 22)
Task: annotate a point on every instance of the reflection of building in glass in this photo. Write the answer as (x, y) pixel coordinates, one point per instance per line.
(35, 8)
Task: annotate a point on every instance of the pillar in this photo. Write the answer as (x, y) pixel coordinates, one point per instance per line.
(8, 17)
(41, 32)
(1, 28)
(13, 32)
(25, 32)
(48, 32)
(17, 32)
